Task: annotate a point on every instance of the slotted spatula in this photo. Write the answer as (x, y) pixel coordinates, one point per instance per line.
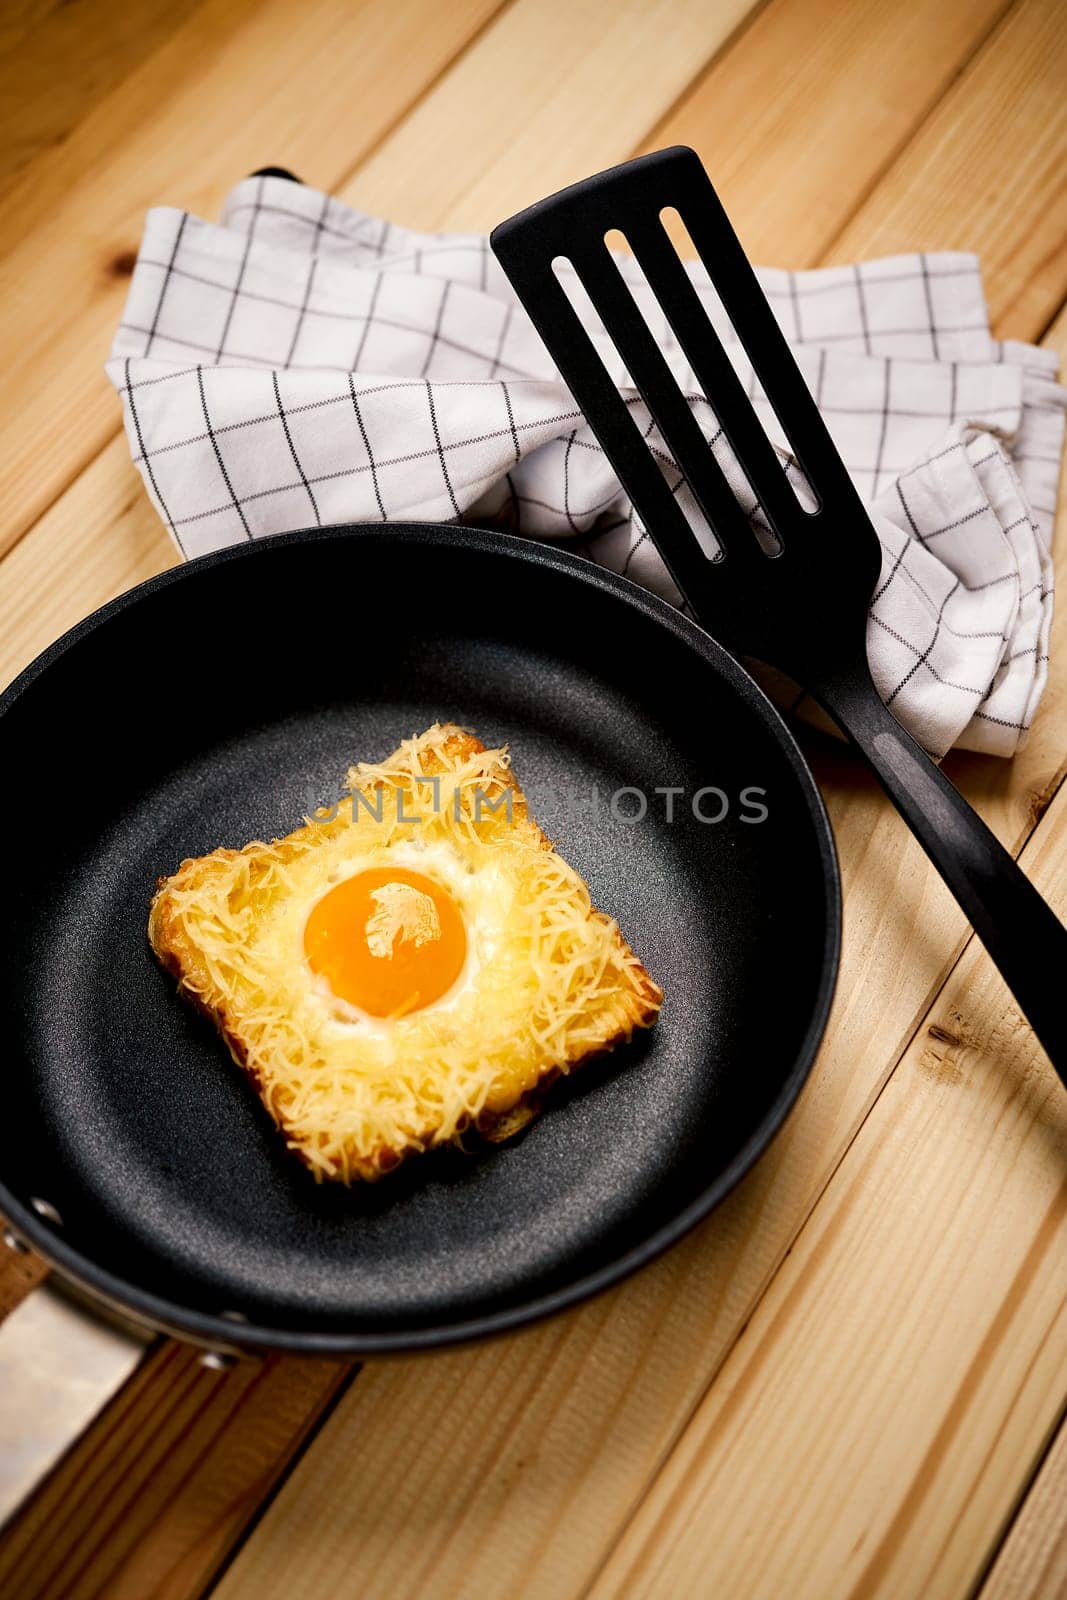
(803, 609)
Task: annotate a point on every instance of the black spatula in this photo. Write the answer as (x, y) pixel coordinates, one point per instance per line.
(804, 609)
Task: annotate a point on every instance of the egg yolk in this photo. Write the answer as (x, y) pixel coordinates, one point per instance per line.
(387, 940)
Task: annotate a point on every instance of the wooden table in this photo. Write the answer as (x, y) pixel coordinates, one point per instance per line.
(849, 1381)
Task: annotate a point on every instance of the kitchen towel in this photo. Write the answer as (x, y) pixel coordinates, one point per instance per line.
(300, 363)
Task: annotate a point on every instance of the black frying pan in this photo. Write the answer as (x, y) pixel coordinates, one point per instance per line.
(222, 701)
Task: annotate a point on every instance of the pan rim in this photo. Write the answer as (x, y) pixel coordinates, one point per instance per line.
(198, 1327)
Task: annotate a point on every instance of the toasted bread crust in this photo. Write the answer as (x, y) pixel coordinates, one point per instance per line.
(503, 1116)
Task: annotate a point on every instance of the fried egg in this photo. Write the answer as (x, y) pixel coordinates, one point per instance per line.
(416, 963)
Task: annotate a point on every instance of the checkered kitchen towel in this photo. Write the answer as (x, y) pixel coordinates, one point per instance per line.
(300, 362)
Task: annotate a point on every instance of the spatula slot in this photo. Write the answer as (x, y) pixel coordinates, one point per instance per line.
(650, 308)
(612, 359)
(639, 347)
(582, 368)
(767, 417)
(589, 317)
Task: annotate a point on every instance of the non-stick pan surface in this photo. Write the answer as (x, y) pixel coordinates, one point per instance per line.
(221, 702)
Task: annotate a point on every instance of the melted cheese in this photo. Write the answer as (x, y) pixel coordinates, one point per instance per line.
(549, 979)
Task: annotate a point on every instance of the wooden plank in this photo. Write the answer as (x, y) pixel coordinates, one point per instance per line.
(1032, 1562)
(509, 1469)
(996, 143)
(44, 589)
(100, 537)
(522, 1484)
(213, 104)
(533, 99)
(161, 1486)
(948, 1210)
(47, 184)
(786, 121)
(20, 17)
(628, 1347)
(367, 64)
(906, 1366)
(56, 61)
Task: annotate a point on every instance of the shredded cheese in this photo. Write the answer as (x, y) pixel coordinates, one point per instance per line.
(554, 981)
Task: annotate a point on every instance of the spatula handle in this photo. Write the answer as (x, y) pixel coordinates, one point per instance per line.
(1022, 934)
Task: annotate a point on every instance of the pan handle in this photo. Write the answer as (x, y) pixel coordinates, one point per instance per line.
(63, 1357)
(59, 1367)
(275, 172)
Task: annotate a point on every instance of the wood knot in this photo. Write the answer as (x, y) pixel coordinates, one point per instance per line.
(122, 264)
(944, 1064)
(1040, 802)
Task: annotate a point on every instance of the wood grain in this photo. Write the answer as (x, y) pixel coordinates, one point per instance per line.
(906, 1366)
(20, 17)
(214, 103)
(576, 87)
(100, 537)
(47, 184)
(546, 1444)
(814, 101)
(1004, 172)
(511, 1469)
(1032, 1563)
(57, 61)
(158, 1491)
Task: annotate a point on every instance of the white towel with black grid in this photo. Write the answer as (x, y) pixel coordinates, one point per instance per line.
(300, 363)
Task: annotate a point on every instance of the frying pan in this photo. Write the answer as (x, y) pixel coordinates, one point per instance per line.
(222, 701)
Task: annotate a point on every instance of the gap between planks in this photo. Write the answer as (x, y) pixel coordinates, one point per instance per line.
(168, 1477)
(407, 1394)
(211, 105)
(982, 1084)
(971, 952)
(535, 67)
(58, 1490)
(1031, 1563)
